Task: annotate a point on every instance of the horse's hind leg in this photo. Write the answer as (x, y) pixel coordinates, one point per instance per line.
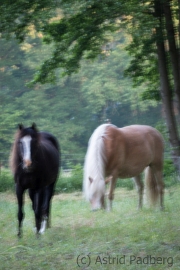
(140, 189)
(32, 197)
(160, 186)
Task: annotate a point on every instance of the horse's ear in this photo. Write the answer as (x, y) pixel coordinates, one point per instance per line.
(90, 180)
(20, 126)
(34, 126)
(109, 179)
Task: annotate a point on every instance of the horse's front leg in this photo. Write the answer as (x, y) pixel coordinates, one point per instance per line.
(140, 189)
(112, 180)
(38, 201)
(20, 196)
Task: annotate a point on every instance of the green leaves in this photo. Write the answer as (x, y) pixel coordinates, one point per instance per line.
(77, 35)
(17, 16)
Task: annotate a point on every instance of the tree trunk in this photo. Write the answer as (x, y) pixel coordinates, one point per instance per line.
(179, 22)
(166, 92)
(173, 50)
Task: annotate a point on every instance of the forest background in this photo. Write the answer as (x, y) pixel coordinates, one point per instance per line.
(72, 104)
(73, 107)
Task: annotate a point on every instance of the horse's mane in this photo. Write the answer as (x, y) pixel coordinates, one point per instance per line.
(95, 158)
(13, 159)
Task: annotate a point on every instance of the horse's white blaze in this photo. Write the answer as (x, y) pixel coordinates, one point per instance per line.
(26, 142)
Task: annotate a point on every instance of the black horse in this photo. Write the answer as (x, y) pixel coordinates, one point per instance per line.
(35, 163)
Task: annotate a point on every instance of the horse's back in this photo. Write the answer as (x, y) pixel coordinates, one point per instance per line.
(130, 149)
(50, 152)
(48, 159)
(51, 138)
(143, 136)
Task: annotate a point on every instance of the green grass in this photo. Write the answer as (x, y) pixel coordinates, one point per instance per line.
(108, 238)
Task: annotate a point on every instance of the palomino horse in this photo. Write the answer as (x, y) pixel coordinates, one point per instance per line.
(35, 162)
(122, 153)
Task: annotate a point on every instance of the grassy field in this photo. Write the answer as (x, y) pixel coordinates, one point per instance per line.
(80, 239)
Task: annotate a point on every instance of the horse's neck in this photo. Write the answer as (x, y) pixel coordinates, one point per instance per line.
(96, 159)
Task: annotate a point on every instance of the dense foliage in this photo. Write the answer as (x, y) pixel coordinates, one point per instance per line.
(73, 107)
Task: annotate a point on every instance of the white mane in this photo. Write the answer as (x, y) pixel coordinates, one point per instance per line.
(95, 159)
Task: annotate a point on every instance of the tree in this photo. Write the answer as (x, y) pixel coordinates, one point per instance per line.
(158, 49)
(83, 30)
(83, 33)
(166, 92)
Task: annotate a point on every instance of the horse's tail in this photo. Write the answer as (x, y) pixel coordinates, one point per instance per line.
(151, 187)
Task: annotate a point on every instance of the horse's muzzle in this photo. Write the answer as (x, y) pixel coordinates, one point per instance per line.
(27, 165)
(95, 210)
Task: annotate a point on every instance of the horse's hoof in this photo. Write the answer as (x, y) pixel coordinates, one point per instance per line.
(43, 226)
(19, 235)
(41, 231)
(38, 235)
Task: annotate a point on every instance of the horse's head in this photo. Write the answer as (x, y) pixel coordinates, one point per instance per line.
(97, 192)
(28, 143)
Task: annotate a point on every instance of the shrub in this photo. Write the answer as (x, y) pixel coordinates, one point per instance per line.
(6, 180)
(125, 183)
(169, 168)
(169, 173)
(72, 182)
